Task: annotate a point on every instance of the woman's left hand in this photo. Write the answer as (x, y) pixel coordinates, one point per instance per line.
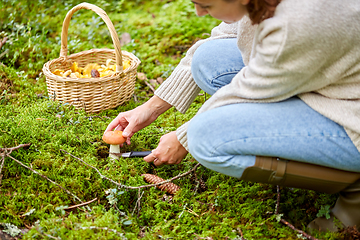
(169, 151)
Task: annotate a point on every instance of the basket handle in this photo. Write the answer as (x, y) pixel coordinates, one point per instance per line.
(109, 24)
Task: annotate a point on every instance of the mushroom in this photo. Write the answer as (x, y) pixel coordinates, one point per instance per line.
(114, 138)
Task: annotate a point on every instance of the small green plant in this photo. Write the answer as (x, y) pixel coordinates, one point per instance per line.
(324, 212)
(61, 209)
(112, 195)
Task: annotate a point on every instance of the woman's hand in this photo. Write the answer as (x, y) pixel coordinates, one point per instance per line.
(134, 120)
(169, 151)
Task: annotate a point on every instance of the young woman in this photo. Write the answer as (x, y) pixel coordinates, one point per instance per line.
(285, 108)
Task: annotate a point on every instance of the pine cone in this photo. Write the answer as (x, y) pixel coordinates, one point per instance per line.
(169, 187)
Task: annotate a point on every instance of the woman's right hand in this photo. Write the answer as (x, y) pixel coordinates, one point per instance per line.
(134, 120)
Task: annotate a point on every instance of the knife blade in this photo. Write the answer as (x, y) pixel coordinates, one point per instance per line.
(135, 154)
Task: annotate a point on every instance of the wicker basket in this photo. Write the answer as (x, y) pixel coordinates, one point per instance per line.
(92, 94)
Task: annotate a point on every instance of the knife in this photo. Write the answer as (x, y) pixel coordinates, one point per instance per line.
(135, 154)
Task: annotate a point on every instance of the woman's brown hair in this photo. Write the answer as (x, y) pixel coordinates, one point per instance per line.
(259, 10)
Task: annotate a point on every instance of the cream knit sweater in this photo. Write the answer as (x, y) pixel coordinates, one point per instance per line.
(310, 48)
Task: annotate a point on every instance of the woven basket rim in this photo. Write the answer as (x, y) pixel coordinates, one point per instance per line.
(134, 63)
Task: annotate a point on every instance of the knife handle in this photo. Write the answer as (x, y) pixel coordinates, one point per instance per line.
(140, 154)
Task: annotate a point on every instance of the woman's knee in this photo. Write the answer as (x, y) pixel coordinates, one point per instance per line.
(215, 63)
(198, 139)
(204, 149)
(202, 143)
(200, 66)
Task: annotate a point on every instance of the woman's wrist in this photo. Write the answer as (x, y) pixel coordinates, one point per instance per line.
(157, 106)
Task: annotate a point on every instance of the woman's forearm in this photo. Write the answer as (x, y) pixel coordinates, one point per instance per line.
(157, 106)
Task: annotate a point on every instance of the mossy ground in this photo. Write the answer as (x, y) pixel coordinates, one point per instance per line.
(209, 205)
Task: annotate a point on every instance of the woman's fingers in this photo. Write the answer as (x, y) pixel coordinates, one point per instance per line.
(169, 151)
(151, 158)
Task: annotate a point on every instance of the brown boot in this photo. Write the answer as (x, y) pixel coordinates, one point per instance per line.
(314, 177)
(346, 212)
(323, 224)
(295, 174)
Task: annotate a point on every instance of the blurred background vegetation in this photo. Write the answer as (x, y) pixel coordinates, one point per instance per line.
(209, 205)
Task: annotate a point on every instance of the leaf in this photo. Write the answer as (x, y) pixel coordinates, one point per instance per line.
(324, 212)
(127, 222)
(61, 209)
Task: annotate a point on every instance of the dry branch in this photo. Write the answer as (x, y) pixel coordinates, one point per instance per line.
(3, 53)
(298, 230)
(149, 85)
(241, 234)
(8, 151)
(101, 176)
(289, 224)
(1, 167)
(81, 204)
(130, 187)
(3, 41)
(277, 200)
(138, 204)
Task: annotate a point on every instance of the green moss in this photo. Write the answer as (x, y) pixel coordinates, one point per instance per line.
(161, 31)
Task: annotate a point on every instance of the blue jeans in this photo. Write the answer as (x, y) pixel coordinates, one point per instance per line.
(227, 139)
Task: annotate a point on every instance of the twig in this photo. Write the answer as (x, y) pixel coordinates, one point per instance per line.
(3, 41)
(209, 204)
(241, 234)
(287, 223)
(14, 148)
(81, 204)
(130, 187)
(192, 212)
(101, 176)
(298, 230)
(278, 200)
(135, 98)
(4, 152)
(27, 226)
(1, 167)
(3, 53)
(34, 171)
(197, 183)
(137, 204)
(149, 85)
(183, 210)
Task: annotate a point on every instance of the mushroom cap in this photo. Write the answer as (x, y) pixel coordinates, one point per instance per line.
(114, 137)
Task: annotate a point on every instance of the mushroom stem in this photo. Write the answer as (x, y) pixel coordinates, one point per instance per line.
(114, 149)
